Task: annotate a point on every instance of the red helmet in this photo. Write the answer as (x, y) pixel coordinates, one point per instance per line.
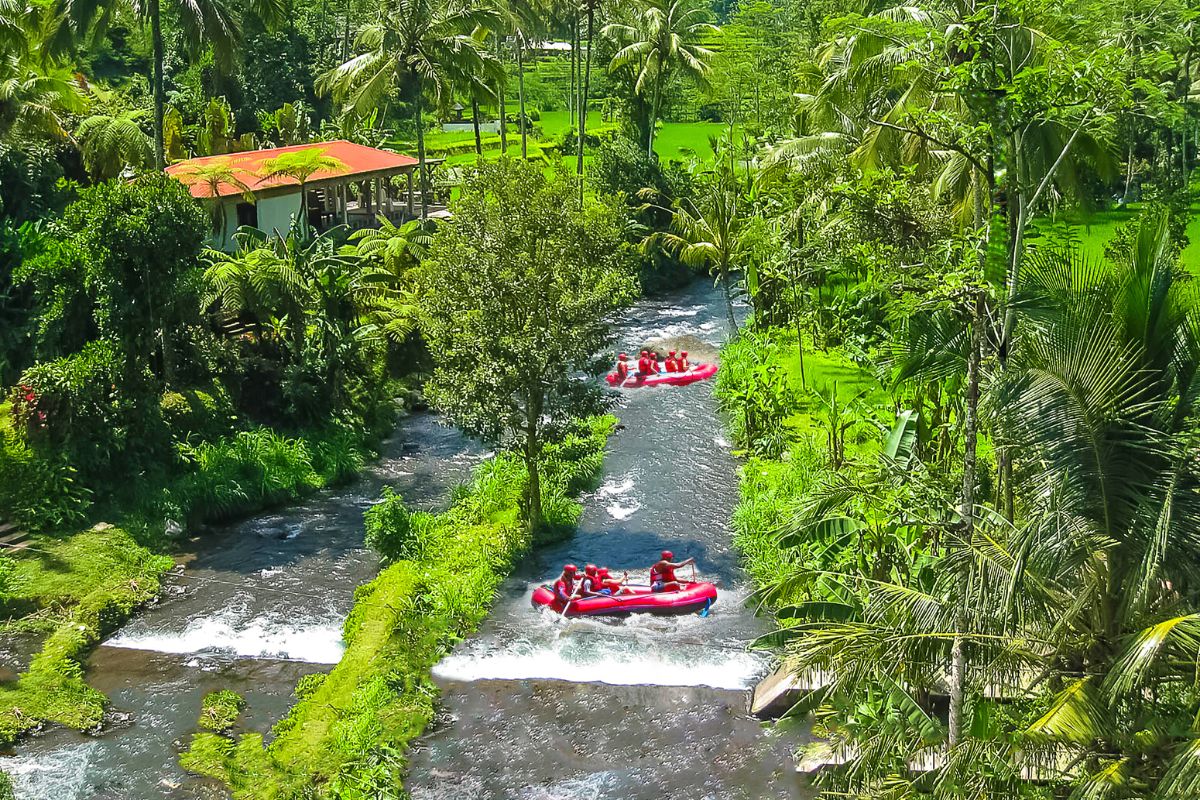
(602, 572)
(667, 555)
(672, 352)
(622, 356)
(684, 353)
(590, 569)
(570, 569)
(645, 352)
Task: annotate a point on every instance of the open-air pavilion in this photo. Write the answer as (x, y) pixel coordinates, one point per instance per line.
(373, 183)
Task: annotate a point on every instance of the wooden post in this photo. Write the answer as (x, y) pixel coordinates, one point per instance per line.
(410, 192)
(379, 195)
(345, 204)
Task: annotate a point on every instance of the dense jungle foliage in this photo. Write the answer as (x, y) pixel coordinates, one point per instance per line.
(965, 393)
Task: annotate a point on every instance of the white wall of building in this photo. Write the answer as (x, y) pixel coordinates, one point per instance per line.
(277, 213)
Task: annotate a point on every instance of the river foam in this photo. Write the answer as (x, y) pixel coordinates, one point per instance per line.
(259, 637)
(594, 660)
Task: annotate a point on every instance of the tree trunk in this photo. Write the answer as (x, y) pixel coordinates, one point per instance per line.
(421, 167)
(532, 455)
(521, 93)
(967, 511)
(653, 118)
(583, 100)
(733, 326)
(502, 97)
(160, 159)
(346, 35)
(475, 123)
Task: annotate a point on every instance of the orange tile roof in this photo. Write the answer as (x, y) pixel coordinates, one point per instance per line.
(359, 160)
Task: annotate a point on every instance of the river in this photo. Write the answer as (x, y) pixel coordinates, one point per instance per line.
(538, 708)
(535, 707)
(258, 605)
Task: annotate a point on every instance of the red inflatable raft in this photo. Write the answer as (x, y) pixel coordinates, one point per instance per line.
(699, 372)
(691, 598)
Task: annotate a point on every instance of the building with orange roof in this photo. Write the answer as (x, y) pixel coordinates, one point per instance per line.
(368, 183)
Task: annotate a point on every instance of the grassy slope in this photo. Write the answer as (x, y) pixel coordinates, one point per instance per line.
(1094, 231)
(90, 581)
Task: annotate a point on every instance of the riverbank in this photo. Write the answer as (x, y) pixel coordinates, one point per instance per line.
(351, 727)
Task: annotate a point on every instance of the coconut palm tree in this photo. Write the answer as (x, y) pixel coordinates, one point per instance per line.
(660, 42)
(212, 175)
(418, 49)
(36, 89)
(705, 233)
(300, 166)
(203, 24)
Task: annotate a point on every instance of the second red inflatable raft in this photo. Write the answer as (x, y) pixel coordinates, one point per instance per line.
(699, 372)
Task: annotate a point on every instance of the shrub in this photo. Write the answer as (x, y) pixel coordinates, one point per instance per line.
(388, 527)
(197, 414)
(220, 710)
(38, 492)
(89, 407)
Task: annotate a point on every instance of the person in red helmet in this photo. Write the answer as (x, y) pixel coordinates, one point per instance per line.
(644, 363)
(591, 585)
(682, 362)
(610, 584)
(671, 364)
(565, 589)
(622, 367)
(662, 574)
(654, 367)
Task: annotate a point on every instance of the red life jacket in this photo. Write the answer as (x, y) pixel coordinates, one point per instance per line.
(666, 574)
(591, 584)
(563, 590)
(622, 370)
(643, 365)
(671, 365)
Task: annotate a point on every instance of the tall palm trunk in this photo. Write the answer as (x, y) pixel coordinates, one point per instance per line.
(157, 83)
(532, 453)
(475, 124)
(521, 93)
(502, 96)
(958, 664)
(733, 326)
(653, 117)
(587, 80)
(422, 169)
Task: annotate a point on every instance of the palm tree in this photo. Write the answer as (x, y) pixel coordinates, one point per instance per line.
(590, 7)
(213, 174)
(36, 89)
(705, 234)
(418, 49)
(394, 247)
(112, 142)
(300, 166)
(660, 42)
(203, 23)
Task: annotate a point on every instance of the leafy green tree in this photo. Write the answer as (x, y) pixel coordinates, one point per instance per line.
(706, 233)
(300, 166)
(515, 301)
(418, 49)
(121, 264)
(37, 89)
(661, 41)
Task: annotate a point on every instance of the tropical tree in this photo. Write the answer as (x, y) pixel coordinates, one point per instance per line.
(300, 166)
(36, 89)
(212, 174)
(202, 23)
(706, 232)
(418, 49)
(661, 41)
(515, 297)
(112, 142)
